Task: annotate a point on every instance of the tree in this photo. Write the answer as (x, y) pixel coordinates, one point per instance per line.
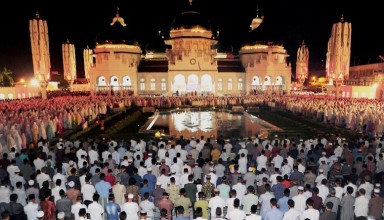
(6, 77)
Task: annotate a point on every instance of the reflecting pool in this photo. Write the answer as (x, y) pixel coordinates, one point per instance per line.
(207, 123)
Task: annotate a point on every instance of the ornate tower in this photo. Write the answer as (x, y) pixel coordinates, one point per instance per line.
(339, 53)
(88, 61)
(69, 62)
(40, 52)
(302, 64)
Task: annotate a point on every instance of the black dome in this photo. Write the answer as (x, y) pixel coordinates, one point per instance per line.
(264, 34)
(157, 45)
(115, 34)
(190, 19)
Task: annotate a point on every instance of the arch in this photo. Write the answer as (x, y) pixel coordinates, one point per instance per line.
(10, 96)
(126, 81)
(206, 83)
(179, 83)
(255, 81)
(114, 82)
(267, 81)
(193, 82)
(279, 80)
(101, 81)
(2, 96)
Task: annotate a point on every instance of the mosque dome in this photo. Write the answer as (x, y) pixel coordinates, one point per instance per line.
(157, 45)
(189, 20)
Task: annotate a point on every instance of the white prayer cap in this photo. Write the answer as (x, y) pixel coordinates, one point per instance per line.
(71, 184)
(149, 169)
(321, 170)
(130, 196)
(300, 188)
(31, 182)
(60, 215)
(40, 214)
(376, 191)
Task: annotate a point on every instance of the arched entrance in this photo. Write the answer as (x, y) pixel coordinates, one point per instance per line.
(114, 83)
(179, 83)
(206, 83)
(193, 83)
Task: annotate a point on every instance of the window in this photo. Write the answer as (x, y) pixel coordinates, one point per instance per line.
(240, 85)
(163, 84)
(229, 84)
(153, 84)
(220, 85)
(142, 84)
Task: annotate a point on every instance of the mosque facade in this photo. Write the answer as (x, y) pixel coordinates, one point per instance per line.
(188, 62)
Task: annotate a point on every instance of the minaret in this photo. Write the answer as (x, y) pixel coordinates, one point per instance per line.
(69, 62)
(88, 61)
(339, 53)
(302, 64)
(40, 52)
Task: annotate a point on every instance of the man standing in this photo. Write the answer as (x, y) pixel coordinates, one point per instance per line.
(131, 208)
(376, 204)
(249, 199)
(166, 204)
(361, 205)
(292, 213)
(274, 212)
(185, 202)
(328, 214)
(95, 210)
(216, 202)
(347, 203)
(310, 213)
(31, 208)
(111, 208)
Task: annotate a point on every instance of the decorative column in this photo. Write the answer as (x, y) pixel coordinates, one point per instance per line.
(338, 54)
(69, 63)
(302, 64)
(40, 52)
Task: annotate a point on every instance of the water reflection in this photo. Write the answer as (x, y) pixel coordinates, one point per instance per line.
(195, 123)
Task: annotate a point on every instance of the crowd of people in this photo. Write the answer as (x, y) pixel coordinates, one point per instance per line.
(46, 176)
(198, 178)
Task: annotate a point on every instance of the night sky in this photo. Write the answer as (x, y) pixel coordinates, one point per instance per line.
(287, 22)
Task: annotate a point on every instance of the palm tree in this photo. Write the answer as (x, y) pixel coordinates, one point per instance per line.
(6, 78)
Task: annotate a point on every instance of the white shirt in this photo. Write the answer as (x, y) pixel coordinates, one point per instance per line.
(95, 211)
(215, 202)
(75, 209)
(132, 209)
(261, 162)
(300, 202)
(60, 176)
(88, 190)
(31, 210)
(236, 214)
(311, 214)
(4, 194)
(253, 217)
(39, 163)
(56, 192)
(292, 214)
(93, 156)
(354, 189)
(241, 189)
(361, 206)
(147, 207)
(242, 165)
(264, 200)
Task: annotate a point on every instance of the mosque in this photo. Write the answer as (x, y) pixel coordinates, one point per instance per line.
(190, 61)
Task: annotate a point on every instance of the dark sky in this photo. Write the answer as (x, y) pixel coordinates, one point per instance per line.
(290, 22)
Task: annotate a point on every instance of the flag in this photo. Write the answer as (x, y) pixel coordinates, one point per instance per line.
(381, 57)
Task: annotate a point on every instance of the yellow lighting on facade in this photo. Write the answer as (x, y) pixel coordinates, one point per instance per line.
(117, 46)
(34, 82)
